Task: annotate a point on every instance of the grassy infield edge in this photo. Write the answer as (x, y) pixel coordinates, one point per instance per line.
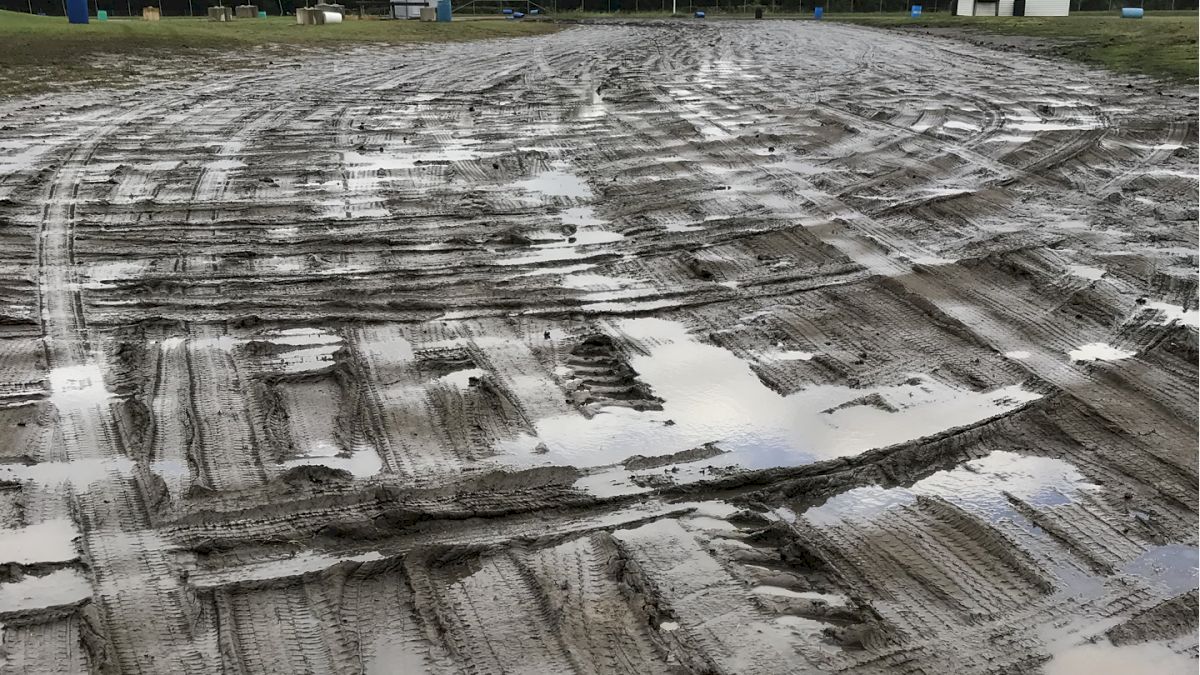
(44, 53)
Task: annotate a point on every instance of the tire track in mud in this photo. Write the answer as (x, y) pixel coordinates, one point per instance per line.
(349, 326)
(87, 434)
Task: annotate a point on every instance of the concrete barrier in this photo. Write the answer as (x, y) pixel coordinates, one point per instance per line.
(220, 14)
(151, 14)
(246, 11)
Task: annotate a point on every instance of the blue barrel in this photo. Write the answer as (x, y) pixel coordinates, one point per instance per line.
(77, 11)
(916, 11)
(506, 11)
(443, 10)
(818, 12)
(699, 15)
(518, 15)
(1131, 13)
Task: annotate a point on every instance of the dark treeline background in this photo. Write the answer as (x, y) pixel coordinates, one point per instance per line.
(119, 8)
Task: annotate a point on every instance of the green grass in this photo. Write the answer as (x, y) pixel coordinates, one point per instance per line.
(42, 53)
(1163, 44)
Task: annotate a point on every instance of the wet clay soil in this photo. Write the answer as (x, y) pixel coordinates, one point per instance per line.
(667, 348)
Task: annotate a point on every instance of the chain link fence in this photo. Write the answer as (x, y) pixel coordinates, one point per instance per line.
(376, 8)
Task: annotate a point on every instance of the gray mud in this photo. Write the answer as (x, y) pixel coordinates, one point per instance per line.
(730, 348)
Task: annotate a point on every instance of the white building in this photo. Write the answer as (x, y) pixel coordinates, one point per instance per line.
(1012, 7)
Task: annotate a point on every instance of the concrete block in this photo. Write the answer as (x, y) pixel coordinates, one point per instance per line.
(220, 14)
(429, 14)
(151, 14)
(246, 11)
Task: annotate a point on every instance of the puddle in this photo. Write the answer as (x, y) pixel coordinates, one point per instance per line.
(710, 395)
(1103, 657)
(46, 542)
(60, 587)
(566, 249)
(979, 487)
(115, 270)
(460, 378)
(75, 387)
(1086, 272)
(709, 524)
(80, 472)
(582, 216)
(362, 463)
(315, 347)
(594, 282)
(223, 165)
(961, 126)
(23, 159)
(593, 105)
(697, 115)
(1173, 313)
(1018, 355)
(555, 246)
(671, 226)
(1008, 138)
(1172, 567)
(171, 468)
(411, 157)
(1099, 351)
(304, 336)
(568, 269)
(557, 182)
(827, 598)
(976, 486)
(391, 656)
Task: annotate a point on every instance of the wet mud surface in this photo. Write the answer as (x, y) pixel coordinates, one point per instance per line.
(738, 348)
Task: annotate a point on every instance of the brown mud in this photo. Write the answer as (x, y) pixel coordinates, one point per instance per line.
(662, 348)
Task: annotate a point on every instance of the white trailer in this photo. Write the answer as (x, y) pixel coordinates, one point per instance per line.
(1012, 7)
(410, 9)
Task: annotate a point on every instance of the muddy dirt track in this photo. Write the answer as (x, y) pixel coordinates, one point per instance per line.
(732, 348)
